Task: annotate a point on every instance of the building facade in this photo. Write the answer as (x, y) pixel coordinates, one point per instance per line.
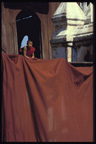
(57, 29)
(73, 37)
(12, 11)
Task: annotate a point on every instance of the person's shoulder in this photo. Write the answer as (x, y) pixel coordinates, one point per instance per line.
(32, 47)
(25, 48)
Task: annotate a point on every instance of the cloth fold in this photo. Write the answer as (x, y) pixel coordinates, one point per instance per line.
(46, 100)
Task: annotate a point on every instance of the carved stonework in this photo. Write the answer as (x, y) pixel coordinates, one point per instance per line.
(73, 28)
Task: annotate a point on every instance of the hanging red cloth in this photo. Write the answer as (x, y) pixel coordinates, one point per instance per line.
(46, 101)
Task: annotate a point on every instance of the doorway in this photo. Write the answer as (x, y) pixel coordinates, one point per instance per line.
(28, 24)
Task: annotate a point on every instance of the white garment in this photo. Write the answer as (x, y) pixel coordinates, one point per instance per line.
(24, 41)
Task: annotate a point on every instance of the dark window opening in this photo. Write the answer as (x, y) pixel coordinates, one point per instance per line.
(28, 24)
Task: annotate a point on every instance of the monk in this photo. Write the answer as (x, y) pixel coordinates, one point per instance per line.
(28, 51)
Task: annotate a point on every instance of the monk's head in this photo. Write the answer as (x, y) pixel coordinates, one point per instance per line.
(29, 43)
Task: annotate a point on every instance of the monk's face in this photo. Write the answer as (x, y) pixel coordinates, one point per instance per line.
(30, 44)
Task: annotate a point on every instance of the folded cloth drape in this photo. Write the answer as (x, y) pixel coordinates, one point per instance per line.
(46, 100)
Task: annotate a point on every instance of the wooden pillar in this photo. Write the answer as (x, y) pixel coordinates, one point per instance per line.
(44, 34)
(47, 29)
(8, 32)
(3, 29)
(14, 42)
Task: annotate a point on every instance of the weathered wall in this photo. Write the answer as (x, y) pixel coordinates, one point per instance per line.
(9, 30)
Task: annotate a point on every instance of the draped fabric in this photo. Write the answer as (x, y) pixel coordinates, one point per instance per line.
(46, 100)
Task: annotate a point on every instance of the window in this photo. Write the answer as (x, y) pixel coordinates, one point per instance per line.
(29, 27)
